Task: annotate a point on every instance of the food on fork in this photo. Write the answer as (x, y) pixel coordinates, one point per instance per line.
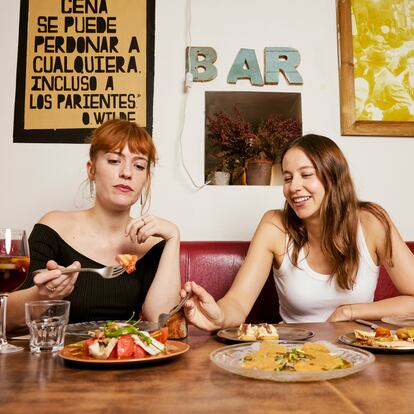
(253, 332)
(127, 261)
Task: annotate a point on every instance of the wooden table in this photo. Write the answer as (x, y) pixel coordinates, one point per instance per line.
(190, 383)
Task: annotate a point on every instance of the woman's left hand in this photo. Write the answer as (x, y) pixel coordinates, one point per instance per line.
(342, 313)
(143, 227)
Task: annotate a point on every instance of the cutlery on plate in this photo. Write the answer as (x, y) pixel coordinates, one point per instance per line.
(372, 325)
(107, 272)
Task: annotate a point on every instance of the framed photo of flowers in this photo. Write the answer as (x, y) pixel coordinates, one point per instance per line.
(376, 67)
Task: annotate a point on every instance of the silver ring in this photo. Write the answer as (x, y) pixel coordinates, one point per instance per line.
(51, 289)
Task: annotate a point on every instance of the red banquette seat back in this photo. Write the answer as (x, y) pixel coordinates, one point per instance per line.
(214, 264)
(385, 287)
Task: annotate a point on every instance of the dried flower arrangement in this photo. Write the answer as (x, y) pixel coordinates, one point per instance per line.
(235, 141)
(229, 135)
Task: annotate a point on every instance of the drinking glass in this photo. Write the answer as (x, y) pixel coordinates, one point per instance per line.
(47, 321)
(14, 267)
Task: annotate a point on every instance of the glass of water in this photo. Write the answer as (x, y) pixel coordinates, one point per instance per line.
(47, 321)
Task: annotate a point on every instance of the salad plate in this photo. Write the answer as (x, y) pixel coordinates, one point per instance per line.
(285, 333)
(350, 339)
(173, 349)
(230, 358)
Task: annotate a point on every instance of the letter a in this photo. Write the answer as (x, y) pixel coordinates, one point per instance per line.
(109, 83)
(245, 66)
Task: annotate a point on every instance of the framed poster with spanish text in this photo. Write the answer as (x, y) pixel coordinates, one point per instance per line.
(81, 63)
(376, 57)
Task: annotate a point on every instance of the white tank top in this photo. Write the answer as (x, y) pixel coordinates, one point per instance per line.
(309, 296)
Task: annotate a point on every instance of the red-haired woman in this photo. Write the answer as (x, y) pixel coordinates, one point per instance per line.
(325, 247)
(122, 155)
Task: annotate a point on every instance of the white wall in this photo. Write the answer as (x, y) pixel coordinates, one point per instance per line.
(36, 178)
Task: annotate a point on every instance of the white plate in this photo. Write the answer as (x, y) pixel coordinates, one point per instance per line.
(403, 320)
(231, 357)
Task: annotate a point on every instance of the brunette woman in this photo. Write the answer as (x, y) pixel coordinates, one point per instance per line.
(122, 156)
(325, 246)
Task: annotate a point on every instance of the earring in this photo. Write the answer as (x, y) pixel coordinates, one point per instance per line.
(92, 188)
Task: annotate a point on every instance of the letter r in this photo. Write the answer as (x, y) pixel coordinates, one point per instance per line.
(282, 59)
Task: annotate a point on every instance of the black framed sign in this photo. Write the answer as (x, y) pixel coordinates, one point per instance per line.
(81, 63)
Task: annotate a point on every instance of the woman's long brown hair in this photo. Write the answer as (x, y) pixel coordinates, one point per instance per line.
(338, 211)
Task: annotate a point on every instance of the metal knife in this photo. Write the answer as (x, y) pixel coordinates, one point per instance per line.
(367, 323)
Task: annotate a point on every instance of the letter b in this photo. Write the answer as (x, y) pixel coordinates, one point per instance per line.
(200, 63)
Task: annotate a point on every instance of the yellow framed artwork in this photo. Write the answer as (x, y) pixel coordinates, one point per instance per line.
(81, 63)
(376, 62)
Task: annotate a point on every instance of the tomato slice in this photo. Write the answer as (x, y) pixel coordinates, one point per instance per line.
(125, 346)
(161, 335)
(139, 352)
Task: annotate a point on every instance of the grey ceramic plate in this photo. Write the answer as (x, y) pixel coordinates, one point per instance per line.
(82, 328)
(285, 334)
(349, 339)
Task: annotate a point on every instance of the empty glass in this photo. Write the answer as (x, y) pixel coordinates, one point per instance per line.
(47, 321)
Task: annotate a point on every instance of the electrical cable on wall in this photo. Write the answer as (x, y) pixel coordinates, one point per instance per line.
(188, 84)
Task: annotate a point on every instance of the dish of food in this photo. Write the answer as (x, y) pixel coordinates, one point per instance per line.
(284, 333)
(122, 341)
(254, 332)
(403, 320)
(173, 349)
(384, 339)
(291, 361)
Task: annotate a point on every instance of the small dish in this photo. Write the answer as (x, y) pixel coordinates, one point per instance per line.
(349, 339)
(174, 348)
(230, 358)
(285, 333)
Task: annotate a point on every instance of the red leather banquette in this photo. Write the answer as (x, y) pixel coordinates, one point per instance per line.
(214, 264)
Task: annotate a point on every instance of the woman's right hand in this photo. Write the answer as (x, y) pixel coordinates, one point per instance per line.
(201, 309)
(53, 284)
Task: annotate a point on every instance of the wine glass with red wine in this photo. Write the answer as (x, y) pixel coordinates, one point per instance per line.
(14, 267)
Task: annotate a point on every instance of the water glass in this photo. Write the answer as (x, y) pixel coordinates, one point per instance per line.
(47, 321)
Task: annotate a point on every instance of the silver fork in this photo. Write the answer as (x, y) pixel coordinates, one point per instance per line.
(107, 272)
(163, 317)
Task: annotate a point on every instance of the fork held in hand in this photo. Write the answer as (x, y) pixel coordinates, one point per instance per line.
(107, 272)
(163, 317)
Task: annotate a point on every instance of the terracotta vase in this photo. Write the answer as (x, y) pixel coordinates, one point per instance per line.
(259, 172)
